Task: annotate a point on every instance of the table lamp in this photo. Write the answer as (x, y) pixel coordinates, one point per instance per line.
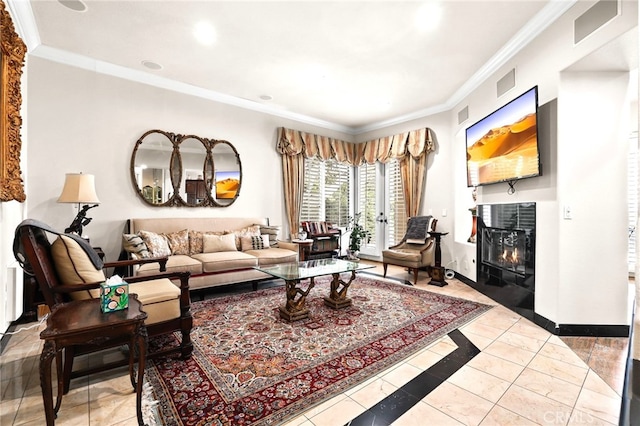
(80, 189)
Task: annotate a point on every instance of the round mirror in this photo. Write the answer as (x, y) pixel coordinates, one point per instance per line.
(150, 171)
(227, 173)
(193, 186)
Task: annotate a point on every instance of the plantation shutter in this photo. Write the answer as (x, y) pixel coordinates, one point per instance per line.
(337, 192)
(311, 208)
(632, 197)
(326, 195)
(367, 198)
(397, 216)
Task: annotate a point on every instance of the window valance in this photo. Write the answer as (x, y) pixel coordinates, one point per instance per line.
(411, 149)
(414, 143)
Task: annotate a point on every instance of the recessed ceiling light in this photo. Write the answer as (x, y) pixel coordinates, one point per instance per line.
(76, 5)
(266, 97)
(204, 33)
(152, 65)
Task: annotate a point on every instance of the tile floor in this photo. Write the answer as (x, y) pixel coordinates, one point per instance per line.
(523, 375)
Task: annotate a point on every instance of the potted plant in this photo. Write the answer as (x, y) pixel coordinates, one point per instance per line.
(358, 235)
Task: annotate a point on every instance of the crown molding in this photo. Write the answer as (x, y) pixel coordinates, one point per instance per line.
(23, 15)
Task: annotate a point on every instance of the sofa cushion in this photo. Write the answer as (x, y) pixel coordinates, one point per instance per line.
(273, 255)
(156, 243)
(258, 242)
(225, 260)
(178, 242)
(135, 246)
(176, 263)
(216, 243)
(73, 265)
(160, 299)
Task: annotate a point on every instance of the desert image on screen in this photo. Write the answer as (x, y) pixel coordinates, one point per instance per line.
(227, 188)
(504, 153)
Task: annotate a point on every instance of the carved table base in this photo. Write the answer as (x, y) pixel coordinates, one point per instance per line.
(295, 310)
(338, 299)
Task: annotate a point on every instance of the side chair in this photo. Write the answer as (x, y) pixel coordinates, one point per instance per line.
(417, 248)
(65, 271)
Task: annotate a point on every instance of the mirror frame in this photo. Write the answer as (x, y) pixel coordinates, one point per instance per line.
(12, 53)
(176, 199)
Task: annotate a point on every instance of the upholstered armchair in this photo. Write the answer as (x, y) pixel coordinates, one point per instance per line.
(417, 248)
(68, 269)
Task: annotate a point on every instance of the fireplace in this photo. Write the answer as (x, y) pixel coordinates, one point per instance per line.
(506, 254)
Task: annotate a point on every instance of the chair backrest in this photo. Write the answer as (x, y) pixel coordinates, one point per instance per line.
(39, 261)
(423, 225)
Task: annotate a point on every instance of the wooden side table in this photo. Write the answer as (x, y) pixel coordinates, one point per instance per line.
(304, 248)
(81, 322)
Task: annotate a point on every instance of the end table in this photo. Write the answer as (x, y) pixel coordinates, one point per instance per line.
(304, 248)
(437, 271)
(81, 322)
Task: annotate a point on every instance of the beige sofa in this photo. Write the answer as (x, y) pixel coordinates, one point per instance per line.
(211, 269)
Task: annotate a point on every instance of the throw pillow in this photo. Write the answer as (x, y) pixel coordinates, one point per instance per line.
(258, 242)
(135, 246)
(178, 242)
(195, 240)
(216, 243)
(73, 264)
(249, 231)
(156, 243)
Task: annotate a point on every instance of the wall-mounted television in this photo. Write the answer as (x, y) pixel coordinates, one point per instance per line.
(503, 146)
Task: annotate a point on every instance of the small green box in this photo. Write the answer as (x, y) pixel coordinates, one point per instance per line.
(114, 297)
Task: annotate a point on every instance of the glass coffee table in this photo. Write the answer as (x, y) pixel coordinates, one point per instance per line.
(292, 273)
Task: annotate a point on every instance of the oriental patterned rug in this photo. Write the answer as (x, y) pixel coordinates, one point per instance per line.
(249, 367)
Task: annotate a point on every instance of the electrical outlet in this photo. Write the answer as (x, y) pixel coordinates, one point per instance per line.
(444, 212)
(568, 213)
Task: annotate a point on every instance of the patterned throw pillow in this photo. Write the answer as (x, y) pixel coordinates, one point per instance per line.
(258, 242)
(156, 243)
(217, 243)
(249, 231)
(178, 242)
(134, 245)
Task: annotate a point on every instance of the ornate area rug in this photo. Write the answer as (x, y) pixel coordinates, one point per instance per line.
(249, 367)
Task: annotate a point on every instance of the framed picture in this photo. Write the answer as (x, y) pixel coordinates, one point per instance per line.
(227, 184)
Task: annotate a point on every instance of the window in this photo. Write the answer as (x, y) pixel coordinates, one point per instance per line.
(366, 196)
(396, 216)
(327, 191)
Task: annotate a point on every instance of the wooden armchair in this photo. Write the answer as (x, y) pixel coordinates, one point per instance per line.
(65, 271)
(413, 253)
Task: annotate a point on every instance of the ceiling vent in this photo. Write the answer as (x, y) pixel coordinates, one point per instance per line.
(506, 83)
(463, 115)
(598, 15)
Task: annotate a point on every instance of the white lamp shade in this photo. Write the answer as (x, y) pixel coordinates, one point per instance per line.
(79, 188)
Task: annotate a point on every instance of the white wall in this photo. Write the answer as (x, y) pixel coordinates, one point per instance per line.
(82, 121)
(562, 281)
(593, 143)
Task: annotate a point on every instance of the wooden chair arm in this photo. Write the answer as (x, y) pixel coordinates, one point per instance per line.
(72, 288)
(119, 263)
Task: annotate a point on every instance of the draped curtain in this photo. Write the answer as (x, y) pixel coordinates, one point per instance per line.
(410, 148)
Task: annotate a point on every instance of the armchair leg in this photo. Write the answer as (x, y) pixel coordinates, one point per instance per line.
(384, 267)
(415, 276)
